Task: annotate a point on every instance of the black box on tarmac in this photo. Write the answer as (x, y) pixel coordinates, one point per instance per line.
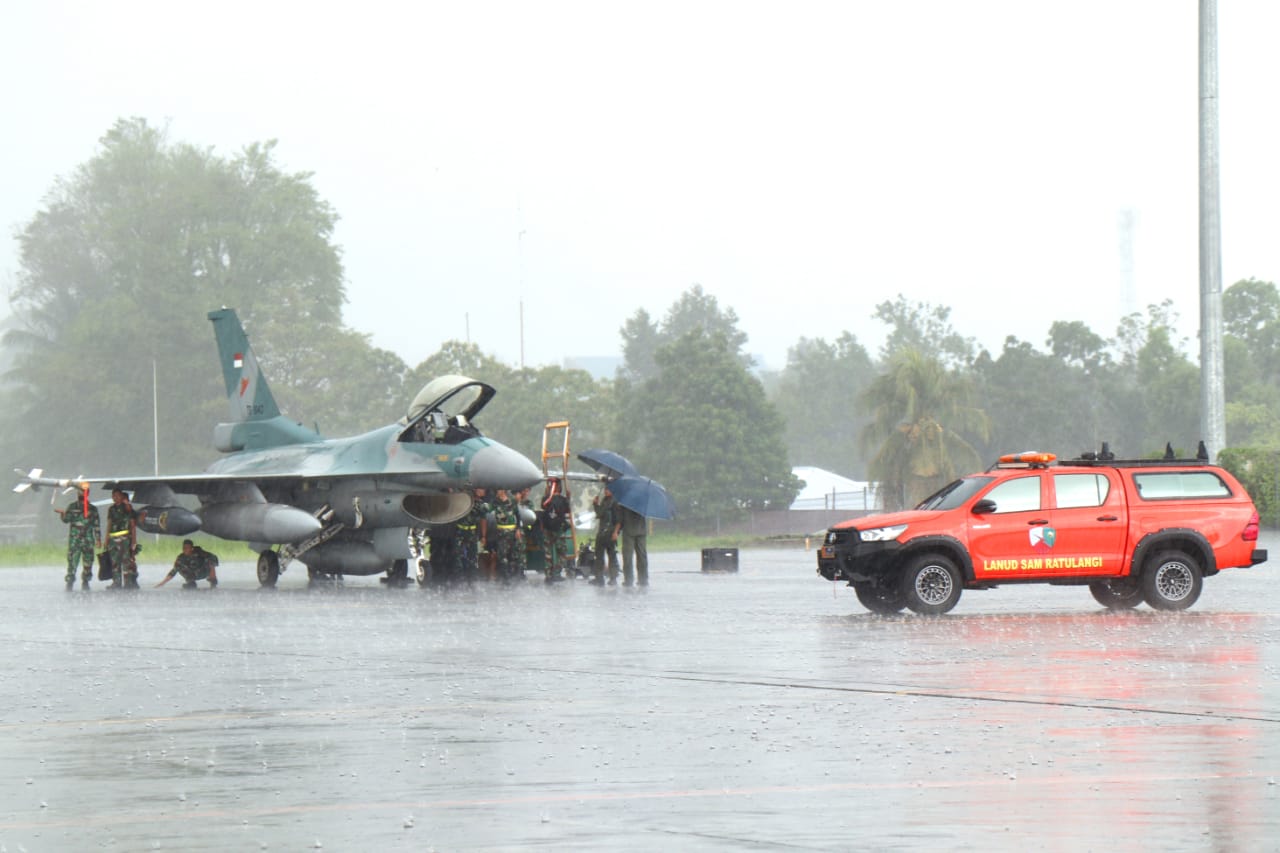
(719, 559)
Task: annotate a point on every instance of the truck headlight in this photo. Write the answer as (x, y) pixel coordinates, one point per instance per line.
(881, 534)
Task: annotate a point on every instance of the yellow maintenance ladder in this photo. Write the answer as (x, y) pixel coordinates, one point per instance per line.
(549, 432)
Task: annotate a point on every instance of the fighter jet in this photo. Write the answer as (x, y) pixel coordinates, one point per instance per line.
(342, 506)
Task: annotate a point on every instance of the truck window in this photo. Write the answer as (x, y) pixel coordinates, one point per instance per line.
(1179, 485)
(1020, 495)
(1075, 490)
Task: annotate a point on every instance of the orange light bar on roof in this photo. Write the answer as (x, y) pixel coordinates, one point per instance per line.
(1028, 458)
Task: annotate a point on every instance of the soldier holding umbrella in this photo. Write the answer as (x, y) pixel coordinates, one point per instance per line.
(639, 499)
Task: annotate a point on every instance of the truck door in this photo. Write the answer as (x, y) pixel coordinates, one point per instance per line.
(1002, 540)
(1090, 522)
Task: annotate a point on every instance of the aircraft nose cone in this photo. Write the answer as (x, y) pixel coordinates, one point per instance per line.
(499, 467)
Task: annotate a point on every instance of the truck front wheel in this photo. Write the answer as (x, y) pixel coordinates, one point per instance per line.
(930, 584)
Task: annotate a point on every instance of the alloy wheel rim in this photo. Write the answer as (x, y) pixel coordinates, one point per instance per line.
(933, 585)
(1174, 581)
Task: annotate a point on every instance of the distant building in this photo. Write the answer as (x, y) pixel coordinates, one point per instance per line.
(827, 490)
(599, 366)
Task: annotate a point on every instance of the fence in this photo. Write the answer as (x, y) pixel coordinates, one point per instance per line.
(796, 523)
(859, 499)
(18, 527)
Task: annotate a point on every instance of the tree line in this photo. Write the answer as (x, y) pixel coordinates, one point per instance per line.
(119, 266)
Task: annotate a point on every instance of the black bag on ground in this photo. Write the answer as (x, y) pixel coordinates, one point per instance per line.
(104, 566)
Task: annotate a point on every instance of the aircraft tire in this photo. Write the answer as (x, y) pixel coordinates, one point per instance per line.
(398, 574)
(268, 568)
(423, 571)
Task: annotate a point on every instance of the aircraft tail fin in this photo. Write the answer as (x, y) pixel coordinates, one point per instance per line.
(247, 392)
(256, 422)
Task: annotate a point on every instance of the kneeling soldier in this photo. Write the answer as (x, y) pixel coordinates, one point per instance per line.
(194, 564)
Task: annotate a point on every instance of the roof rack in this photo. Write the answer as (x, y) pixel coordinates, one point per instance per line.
(1105, 457)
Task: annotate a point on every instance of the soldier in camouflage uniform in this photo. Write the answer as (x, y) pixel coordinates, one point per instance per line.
(194, 564)
(608, 523)
(122, 533)
(84, 538)
(509, 543)
(469, 529)
(556, 518)
(526, 531)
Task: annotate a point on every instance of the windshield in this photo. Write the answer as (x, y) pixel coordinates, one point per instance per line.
(955, 493)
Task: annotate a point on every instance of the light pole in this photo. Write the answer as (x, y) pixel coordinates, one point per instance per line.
(1213, 422)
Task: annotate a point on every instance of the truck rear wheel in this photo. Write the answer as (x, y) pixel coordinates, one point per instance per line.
(880, 599)
(1172, 581)
(1117, 593)
(930, 584)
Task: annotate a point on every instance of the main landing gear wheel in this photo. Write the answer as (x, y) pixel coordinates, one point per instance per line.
(931, 584)
(268, 568)
(1172, 581)
(398, 574)
(1117, 593)
(878, 599)
(423, 571)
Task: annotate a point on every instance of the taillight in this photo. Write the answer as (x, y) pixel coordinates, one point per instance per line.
(1251, 530)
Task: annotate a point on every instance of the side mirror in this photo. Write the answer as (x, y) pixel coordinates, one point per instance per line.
(983, 507)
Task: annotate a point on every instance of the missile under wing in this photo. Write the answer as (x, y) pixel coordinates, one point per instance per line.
(341, 505)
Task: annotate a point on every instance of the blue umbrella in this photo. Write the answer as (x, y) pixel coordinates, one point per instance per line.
(643, 496)
(608, 463)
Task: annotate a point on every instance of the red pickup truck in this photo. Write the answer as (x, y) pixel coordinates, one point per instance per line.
(1132, 530)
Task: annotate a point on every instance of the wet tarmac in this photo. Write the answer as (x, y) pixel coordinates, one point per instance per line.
(762, 710)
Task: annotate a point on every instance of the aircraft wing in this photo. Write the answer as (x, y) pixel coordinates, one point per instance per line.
(180, 484)
(160, 489)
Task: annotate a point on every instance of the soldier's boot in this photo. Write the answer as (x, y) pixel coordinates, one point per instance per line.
(131, 581)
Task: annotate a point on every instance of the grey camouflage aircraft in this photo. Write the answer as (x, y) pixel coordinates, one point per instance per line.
(354, 506)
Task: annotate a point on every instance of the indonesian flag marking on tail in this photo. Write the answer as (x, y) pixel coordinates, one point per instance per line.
(237, 360)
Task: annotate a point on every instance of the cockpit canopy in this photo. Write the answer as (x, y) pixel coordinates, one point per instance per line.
(452, 395)
(446, 402)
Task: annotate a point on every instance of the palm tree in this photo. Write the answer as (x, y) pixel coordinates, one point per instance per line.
(918, 411)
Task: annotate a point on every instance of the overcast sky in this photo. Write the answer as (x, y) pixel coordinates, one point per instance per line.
(801, 161)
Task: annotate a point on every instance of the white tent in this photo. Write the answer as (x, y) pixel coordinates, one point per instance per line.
(827, 490)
